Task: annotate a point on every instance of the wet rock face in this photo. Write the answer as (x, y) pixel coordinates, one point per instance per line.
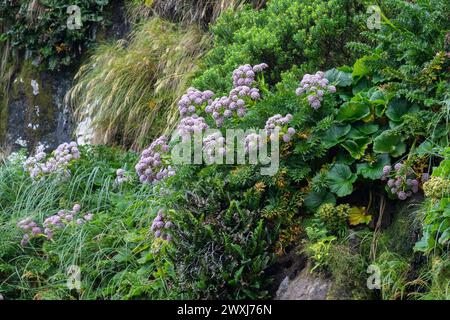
(294, 281)
(37, 113)
(36, 110)
(305, 286)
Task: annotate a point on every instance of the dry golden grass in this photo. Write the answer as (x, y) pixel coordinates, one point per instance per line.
(131, 89)
(186, 11)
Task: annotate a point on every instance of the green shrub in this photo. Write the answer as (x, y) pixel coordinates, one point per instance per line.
(298, 35)
(334, 218)
(417, 66)
(229, 221)
(348, 269)
(221, 242)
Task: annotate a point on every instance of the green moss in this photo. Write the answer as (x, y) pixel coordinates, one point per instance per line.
(348, 269)
(399, 236)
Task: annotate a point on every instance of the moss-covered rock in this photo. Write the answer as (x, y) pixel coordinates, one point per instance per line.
(36, 112)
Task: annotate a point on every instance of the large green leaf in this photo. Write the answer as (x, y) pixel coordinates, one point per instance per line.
(425, 148)
(359, 131)
(361, 86)
(425, 242)
(357, 147)
(358, 215)
(373, 171)
(389, 142)
(339, 78)
(399, 107)
(345, 158)
(443, 170)
(340, 180)
(445, 237)
(335, 134)
(379, 96)
(361, 68)
(315, 199)
(353, 111)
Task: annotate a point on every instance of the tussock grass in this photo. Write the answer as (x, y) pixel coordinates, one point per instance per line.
(186, 11)
(131, 89)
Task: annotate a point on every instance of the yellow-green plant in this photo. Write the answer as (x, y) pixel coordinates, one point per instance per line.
(334, 217)
(130, 89)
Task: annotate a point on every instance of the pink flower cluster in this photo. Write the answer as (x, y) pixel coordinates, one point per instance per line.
(160, 226)
(315, 86)
(39, 166)
(58, 221)
(64, 218)
(122, 176)
(401, 180)
(31, 230)
(214, 143)
(191, 125)
(243, 81)
(192, 100)
(252, 142)
(151, 167)
(245, 75)
(278, 122)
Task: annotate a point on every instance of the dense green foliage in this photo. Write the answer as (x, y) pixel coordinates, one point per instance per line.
(436, 217)
(356, 160)
(41, 29)
(114, 250)
(296, 36)
(221, 238)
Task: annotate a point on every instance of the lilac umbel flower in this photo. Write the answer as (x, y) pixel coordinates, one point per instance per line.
(192, 100)
(280, 123)
(39, 166)
(122, 176)
(30, 229)
(315, 86)
(161, 225)
(401, 180)
(252, 142)
(235, 103)
(214, 145)
(151, 167)
(191, 125)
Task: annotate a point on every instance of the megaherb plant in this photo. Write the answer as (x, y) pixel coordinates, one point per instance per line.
(227, 223)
